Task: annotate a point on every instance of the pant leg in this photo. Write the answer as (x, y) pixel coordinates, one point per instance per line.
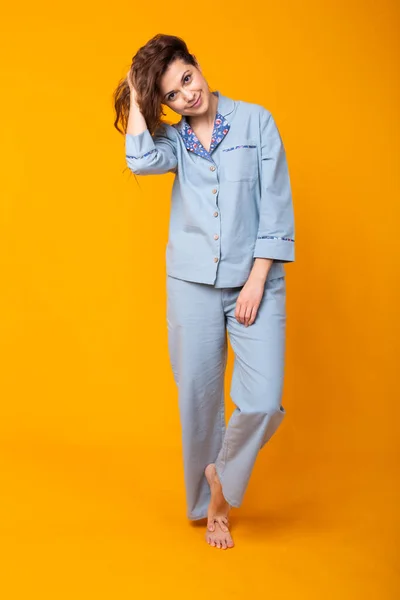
(197, 343)
(256, 388)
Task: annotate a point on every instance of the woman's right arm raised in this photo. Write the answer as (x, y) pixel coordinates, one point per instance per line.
(146, 154)
(136, 121)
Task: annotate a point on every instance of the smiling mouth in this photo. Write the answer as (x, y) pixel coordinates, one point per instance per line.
(196, 103)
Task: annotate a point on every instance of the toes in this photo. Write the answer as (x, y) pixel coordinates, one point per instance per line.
(215, 538)
(211, 540)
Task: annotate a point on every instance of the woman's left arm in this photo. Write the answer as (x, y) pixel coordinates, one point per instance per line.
(275, 237)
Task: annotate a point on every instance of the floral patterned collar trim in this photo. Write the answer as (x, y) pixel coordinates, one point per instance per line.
(193, 144)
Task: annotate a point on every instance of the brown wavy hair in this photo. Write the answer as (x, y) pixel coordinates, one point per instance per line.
(148, 66)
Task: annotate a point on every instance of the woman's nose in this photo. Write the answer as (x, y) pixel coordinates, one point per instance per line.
(189, 97)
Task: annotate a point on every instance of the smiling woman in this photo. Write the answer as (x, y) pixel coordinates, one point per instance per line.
(148, 66)
(231, 231)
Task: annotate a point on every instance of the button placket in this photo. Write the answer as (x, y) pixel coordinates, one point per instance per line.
(213, 168)
(216, 238)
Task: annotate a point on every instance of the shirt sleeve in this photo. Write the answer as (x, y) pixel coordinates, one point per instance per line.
(275, 237)
(152, 155)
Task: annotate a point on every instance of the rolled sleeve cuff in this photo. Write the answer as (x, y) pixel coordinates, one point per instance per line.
(139, 146)
(279, 249)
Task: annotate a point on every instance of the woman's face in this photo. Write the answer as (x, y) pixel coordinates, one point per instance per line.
(184, 89)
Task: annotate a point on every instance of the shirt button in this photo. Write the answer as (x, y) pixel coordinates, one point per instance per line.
(214, 191)
(216, 259)
(216, 214)
(212, 168)
(216, 236)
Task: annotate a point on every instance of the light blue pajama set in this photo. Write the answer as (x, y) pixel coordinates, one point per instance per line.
(230, 205)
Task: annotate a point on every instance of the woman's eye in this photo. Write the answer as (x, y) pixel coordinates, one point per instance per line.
(170, 98)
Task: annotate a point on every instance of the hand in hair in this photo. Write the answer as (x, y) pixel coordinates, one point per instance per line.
(131, 86)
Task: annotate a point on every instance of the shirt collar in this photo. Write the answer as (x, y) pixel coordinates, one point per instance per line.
(225, 107)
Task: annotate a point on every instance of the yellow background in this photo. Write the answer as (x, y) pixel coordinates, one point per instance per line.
(92, 498)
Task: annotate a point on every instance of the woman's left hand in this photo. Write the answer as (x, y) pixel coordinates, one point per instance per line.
(248, 301)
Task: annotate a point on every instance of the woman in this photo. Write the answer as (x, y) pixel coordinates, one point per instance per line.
(231, 229)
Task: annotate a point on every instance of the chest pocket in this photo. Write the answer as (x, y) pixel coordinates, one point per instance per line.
(240, 161)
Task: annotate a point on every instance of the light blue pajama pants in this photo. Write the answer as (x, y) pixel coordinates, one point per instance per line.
(198, 317)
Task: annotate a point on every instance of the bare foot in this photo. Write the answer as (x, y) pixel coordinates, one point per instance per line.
(218, 534)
